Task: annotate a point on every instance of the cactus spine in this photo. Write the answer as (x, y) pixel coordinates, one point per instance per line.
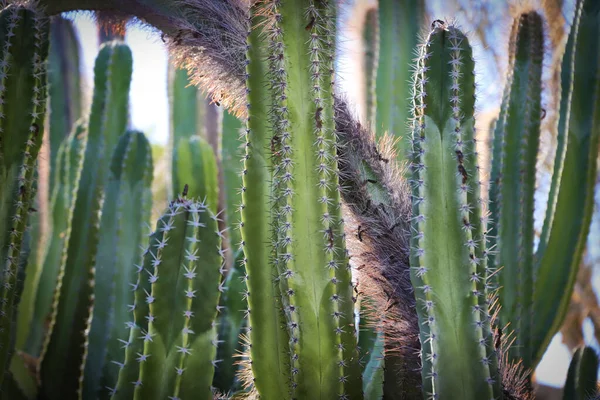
(63, 358)
(449, 266)
(24, 44)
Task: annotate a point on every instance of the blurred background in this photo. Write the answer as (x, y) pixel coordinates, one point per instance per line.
(488, 23)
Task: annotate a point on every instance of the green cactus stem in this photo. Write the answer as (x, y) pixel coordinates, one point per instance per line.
(449, 264)
(564, 234)
(65, 348)
(187, 117)
(400, 22)
(125, 215)
(64, 86)
(582, 378)
(24, 44)
(371, 44)
(517, 133)
(69, 163)
(196, 168)
(176, 297)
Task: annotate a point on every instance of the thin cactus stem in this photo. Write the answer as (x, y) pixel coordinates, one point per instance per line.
(517, 133)
(24, 43)
(69, 163)
(399, 26)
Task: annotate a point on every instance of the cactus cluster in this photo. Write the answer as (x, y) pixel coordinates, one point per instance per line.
(332, 261)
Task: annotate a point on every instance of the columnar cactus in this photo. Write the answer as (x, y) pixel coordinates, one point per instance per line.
(68, 163)
(125, 216)
(64, 91)
(535, 287)
(449, 266)
(290, 212)
(64, 354)
(513, 179)
(24, 46)
(400, 22)
(171, 348)
(582, 378)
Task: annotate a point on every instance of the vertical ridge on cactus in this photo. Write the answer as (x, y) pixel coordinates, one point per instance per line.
(24, 46)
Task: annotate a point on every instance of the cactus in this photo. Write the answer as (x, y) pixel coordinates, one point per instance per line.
(125, 215)
(24, 43)
(69, 163)
(399, 25)
(64, 86)
(428, 296)
(171, 349)
(530, 282)
(187, 116)
(66, 342)
(582, 377)
(454, 319)
(557, 258)
(517, 132)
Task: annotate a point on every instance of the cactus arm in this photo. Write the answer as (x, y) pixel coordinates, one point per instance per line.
(374, 368)
(399, 26)
(269, 353)
(518, 132)
(582, 377)
(64, 354)
(22, 90)
(69, 161)
(448, 275)
(124, 215)
(557, 266)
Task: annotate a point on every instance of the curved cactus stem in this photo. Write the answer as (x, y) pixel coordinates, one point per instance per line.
(65, 349)
(517, 134)
(24, 44)
(449, 265)
(558, 260)
(582, 378)
(400, 22)
(125, 214)
(69, 163)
